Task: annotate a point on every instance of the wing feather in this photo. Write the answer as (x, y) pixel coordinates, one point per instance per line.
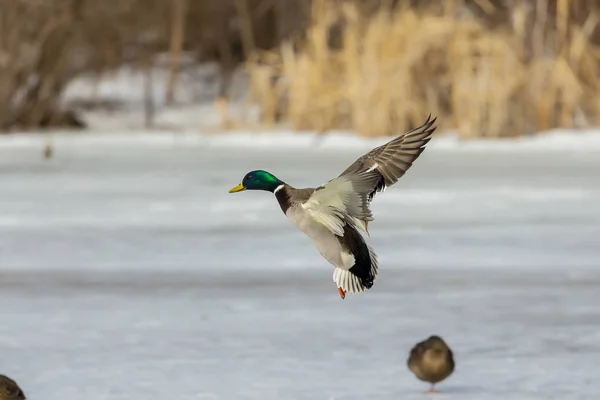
(331, 217)
(342, 200)
(346, 199)
(392, 159)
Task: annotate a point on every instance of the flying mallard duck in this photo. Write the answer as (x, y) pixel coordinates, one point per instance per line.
(431, 361)
(332, 214)
(9, 390)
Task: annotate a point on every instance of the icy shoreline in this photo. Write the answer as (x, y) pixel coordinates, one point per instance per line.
(556, 140)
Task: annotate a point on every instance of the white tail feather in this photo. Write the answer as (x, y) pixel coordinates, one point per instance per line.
(349, 282)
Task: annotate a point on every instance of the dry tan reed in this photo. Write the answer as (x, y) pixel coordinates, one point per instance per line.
(390, 69)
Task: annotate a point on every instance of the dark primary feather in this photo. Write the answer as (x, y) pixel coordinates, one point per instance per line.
(395, 157)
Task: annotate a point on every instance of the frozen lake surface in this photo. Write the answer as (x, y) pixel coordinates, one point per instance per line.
(128, 272)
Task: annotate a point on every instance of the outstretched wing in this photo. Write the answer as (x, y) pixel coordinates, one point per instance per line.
(341, 200)
(391, 160)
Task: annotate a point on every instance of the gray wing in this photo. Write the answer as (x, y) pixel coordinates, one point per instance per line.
(340, 200)
(391, 160)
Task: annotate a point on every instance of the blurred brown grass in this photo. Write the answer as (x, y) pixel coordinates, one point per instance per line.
(486, 71)
(44, 44)
(488, 68)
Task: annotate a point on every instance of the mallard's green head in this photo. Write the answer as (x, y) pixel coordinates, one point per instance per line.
(258, 180)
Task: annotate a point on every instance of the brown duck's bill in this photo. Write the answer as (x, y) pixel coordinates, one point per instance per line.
(238, 188)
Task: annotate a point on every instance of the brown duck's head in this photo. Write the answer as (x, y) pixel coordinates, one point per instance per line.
(435, 341)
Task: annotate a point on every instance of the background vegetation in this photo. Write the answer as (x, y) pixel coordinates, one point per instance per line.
(489, 68)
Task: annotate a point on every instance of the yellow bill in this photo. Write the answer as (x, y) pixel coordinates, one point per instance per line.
(238, 188)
